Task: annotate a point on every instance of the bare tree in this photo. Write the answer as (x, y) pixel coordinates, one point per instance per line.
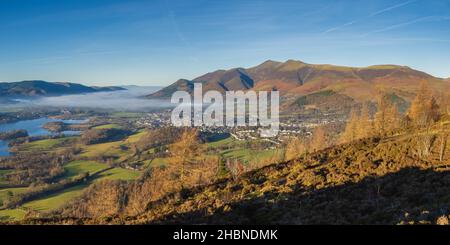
(235, 167)
(365, 125)
(319, 139)
(424, 109)
(187, 147)
(350, 132)
(295, 148)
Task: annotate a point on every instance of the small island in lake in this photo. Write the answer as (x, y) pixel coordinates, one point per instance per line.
(56, 127)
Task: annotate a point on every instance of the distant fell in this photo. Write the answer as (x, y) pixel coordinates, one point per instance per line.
(43, 88)
(296, 78)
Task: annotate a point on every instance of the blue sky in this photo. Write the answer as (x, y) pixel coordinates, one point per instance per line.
(104, 42)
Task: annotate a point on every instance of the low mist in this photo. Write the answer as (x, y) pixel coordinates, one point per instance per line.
(130, 99)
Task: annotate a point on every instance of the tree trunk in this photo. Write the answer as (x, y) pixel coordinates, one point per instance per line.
(443, 147)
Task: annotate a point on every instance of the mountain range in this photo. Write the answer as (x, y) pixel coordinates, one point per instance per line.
(36, 88)
(295, 79)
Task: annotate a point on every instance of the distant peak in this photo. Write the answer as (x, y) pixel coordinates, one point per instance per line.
(294, 61)
(239, 69)
(386, 67)
(290, 65)
(273, 63)
(270, 62)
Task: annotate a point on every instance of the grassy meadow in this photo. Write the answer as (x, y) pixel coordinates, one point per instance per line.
(119, 151)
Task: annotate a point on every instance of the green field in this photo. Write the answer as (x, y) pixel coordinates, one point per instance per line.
(220, 143)
(100, 171)
(112, 149)
(105, 149)
(47, 144)
(12, 214)
(135, 137)
(97, 171)
(78, 167)
(108, 126)
(56, 200)
(157, 162)
(14, 191)
(3, 172)
(118, 174)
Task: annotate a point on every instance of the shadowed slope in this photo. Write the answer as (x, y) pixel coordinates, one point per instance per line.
(411, 195)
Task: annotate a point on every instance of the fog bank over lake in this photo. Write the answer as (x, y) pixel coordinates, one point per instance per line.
(130, 99)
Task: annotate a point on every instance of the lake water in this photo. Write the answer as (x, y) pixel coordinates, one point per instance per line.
(34, 128)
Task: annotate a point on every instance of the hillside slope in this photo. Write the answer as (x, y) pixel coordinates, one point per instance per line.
(366, 182)
(371, 181)
(221, 80)
(295, 78)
